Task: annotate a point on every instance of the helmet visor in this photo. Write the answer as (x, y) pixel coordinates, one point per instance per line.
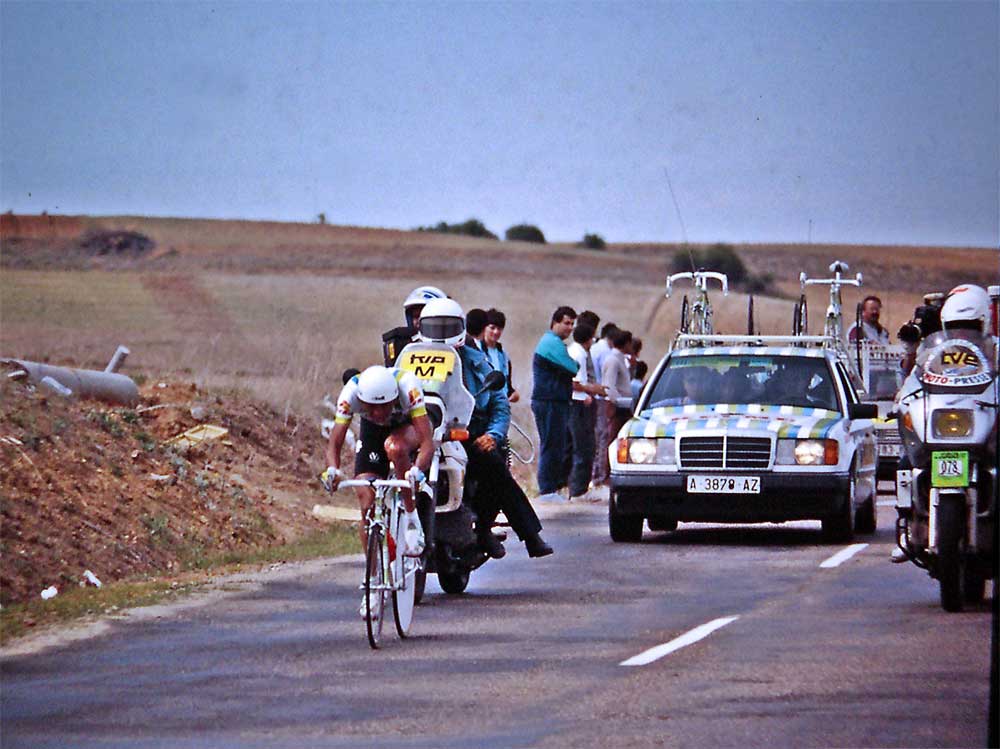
(441, 328)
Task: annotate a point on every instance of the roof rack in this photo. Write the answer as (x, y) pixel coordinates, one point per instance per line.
(687, 340)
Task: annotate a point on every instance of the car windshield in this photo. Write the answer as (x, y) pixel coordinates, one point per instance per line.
(765, 379)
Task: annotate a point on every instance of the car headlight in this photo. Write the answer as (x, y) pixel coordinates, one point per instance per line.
(949, 422)
(807, 452)
(646, 451)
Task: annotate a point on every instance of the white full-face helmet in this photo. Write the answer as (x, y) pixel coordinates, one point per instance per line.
(442, 321)
(416, 299)
(966, 307)
(377, 385)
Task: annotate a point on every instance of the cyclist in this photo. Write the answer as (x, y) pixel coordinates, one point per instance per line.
(394, 426)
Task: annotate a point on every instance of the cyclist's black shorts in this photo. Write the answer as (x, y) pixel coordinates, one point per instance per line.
(369, 456)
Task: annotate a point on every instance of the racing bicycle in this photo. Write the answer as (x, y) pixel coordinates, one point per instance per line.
(387, 572)
(833, 326)
(696, 318)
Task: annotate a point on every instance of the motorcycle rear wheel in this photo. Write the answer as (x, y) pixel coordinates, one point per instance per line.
(453, 582)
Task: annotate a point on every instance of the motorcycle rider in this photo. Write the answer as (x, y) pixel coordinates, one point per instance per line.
(393, 341)
(489, 483)
(965, 307)
(394, 426)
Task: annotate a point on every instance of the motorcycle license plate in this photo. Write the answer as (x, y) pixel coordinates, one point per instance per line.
(723, 484)
(949, 468)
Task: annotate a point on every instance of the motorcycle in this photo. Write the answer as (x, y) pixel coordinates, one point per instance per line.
(947, 412)
(452, 551)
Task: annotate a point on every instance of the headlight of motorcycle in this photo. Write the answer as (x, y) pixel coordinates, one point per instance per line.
(646, 451)
(807, 452)
(951, 422)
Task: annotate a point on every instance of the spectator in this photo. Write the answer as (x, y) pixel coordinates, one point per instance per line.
(633, 355)
(617, 407)
(588, 317)
(496, 321)
(870, 330)
(598, 352)
(553, 369)
(638, 380)
(475, 324)
(581, 414)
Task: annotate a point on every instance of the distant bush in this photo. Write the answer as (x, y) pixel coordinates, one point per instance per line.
(525, 233)
(593, 242)
(722, 258)
(471, 228)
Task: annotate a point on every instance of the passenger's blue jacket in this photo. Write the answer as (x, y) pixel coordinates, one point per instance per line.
(492, 414)
(553, 369)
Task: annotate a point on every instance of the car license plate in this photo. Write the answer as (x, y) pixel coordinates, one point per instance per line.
(949, 468)
(723, 484)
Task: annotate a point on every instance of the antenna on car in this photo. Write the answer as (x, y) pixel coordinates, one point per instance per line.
(680, 218)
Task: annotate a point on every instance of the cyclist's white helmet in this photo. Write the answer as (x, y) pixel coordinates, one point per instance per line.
(442, 321)
(418, 298)
(967, 306)
(377, 385)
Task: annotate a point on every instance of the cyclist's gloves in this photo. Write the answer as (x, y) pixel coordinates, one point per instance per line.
(330, 478)
(415, 475)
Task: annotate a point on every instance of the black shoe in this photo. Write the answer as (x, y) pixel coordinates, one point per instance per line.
(492, 546)
(536, 546)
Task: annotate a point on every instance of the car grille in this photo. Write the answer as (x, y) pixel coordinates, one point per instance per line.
(725, 452)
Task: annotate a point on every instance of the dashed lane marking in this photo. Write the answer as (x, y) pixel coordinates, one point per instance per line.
(843, 555)
(698, 633)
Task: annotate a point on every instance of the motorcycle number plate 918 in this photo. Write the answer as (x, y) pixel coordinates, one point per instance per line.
(949, 468)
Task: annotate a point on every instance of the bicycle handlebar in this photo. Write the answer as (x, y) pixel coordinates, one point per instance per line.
(700, 279)
(836, 282)
(376, 483)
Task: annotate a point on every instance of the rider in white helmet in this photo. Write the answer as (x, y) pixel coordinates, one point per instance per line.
(490, 486)
(393, 341)
(394, 426)
(967, 307)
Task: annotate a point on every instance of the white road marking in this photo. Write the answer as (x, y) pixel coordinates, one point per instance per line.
(698, 633)
(843, 555)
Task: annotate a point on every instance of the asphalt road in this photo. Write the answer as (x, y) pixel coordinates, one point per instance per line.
(792, 654)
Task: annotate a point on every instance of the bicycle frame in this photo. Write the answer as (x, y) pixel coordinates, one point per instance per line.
(833, 326)
(701, 308)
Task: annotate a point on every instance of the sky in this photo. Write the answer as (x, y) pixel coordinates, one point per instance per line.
(853, 122)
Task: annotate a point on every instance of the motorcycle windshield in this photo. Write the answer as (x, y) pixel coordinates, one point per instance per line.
(957, 361)
(439, 369)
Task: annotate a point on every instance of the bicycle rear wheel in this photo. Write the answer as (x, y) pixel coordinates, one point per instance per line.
(685, 315)
(374, 586)
(404, 583)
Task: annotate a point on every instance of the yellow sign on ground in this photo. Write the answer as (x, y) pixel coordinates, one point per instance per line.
(197, 435)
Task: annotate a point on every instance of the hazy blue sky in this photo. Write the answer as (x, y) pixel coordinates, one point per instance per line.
(874, 121)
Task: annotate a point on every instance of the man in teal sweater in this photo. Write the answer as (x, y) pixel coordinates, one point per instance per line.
(553, 369)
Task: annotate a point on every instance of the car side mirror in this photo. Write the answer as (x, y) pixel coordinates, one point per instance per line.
(863, 411)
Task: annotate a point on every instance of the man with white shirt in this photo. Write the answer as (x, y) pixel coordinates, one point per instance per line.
(617, 381)
(598, 352)
(582, 409)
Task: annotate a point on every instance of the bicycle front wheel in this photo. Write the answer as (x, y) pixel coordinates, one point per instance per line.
(404, 580)
(374, 586)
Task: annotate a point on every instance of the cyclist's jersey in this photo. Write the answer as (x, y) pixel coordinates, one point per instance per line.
(410, 402)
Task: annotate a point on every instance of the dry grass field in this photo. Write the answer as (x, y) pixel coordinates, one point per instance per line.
(282, 309)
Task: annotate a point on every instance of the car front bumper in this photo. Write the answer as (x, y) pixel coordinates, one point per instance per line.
(782, 497)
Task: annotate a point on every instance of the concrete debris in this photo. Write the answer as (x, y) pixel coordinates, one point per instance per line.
(50, 592)
(91, 578)
(333, 513)
(197, 435)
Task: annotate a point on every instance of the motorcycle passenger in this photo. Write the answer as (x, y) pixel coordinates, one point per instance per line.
(490, 487)
(395, 340)
(394, 425)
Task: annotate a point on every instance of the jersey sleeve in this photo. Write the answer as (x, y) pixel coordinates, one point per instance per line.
(411, 395)
(347, 402)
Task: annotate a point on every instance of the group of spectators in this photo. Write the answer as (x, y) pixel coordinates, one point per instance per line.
(582, 395)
